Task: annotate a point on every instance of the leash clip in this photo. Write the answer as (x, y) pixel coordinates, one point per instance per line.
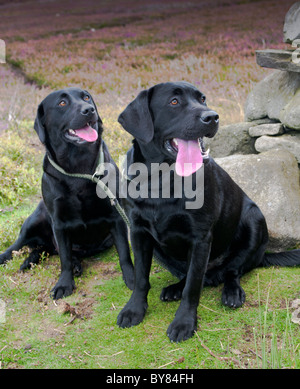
(99, 170)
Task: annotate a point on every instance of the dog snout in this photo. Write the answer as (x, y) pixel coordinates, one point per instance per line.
(209, 117)
(210, 123)
(90, 110)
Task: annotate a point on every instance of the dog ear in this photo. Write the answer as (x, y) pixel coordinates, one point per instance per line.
(99, 121)
(38, 125)
(136, 118)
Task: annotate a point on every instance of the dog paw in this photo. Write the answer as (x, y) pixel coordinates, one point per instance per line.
(171, 293)
(4, 258)
(233, 297)
(62, 289)
(131, 315)
(77, 268)
(25, 266)
(182, 329)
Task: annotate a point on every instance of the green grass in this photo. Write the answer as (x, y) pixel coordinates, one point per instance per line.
(37, 335)
(20, 165)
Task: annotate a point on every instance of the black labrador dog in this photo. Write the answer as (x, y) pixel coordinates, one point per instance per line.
(208, 245)
(71, 219)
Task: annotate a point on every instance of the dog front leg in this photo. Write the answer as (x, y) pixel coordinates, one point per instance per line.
(119, 233)
(65, 284)
(184, 324)
(134, 311)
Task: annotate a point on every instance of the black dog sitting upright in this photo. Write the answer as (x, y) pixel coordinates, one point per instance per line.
(216, 243)
(71, 219)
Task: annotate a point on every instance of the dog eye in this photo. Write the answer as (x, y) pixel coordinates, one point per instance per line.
(203, 99)
(62, 103)
(174, 102)
(86, 98)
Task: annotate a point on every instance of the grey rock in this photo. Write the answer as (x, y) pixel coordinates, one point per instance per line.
(278, 59)
(289, 142)
(266, 129)
(273, 97)
(271, 179)
(290, 114)
(291, 28)
(234, 139)
(231, 139)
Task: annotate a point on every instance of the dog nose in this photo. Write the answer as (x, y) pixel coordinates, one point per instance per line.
(88, 110)
(209, 117)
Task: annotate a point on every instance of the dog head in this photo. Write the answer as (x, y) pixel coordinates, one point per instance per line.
(170, 120)
(68, 116)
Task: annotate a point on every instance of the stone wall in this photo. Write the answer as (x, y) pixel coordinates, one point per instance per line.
(262, 154)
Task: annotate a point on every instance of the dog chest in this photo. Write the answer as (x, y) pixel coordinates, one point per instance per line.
(167, 228)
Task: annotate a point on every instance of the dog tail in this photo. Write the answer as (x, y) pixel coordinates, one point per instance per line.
(285, 258)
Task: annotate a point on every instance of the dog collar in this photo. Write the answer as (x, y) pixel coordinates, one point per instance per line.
(93, 177)
(100, 169)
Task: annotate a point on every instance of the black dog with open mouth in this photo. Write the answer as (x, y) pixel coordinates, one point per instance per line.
(214, 244)
(71, 219)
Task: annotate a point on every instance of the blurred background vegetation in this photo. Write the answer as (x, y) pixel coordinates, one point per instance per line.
(114, 49)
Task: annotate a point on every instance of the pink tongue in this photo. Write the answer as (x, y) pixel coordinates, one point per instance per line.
(87, 133)
(189, 157)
